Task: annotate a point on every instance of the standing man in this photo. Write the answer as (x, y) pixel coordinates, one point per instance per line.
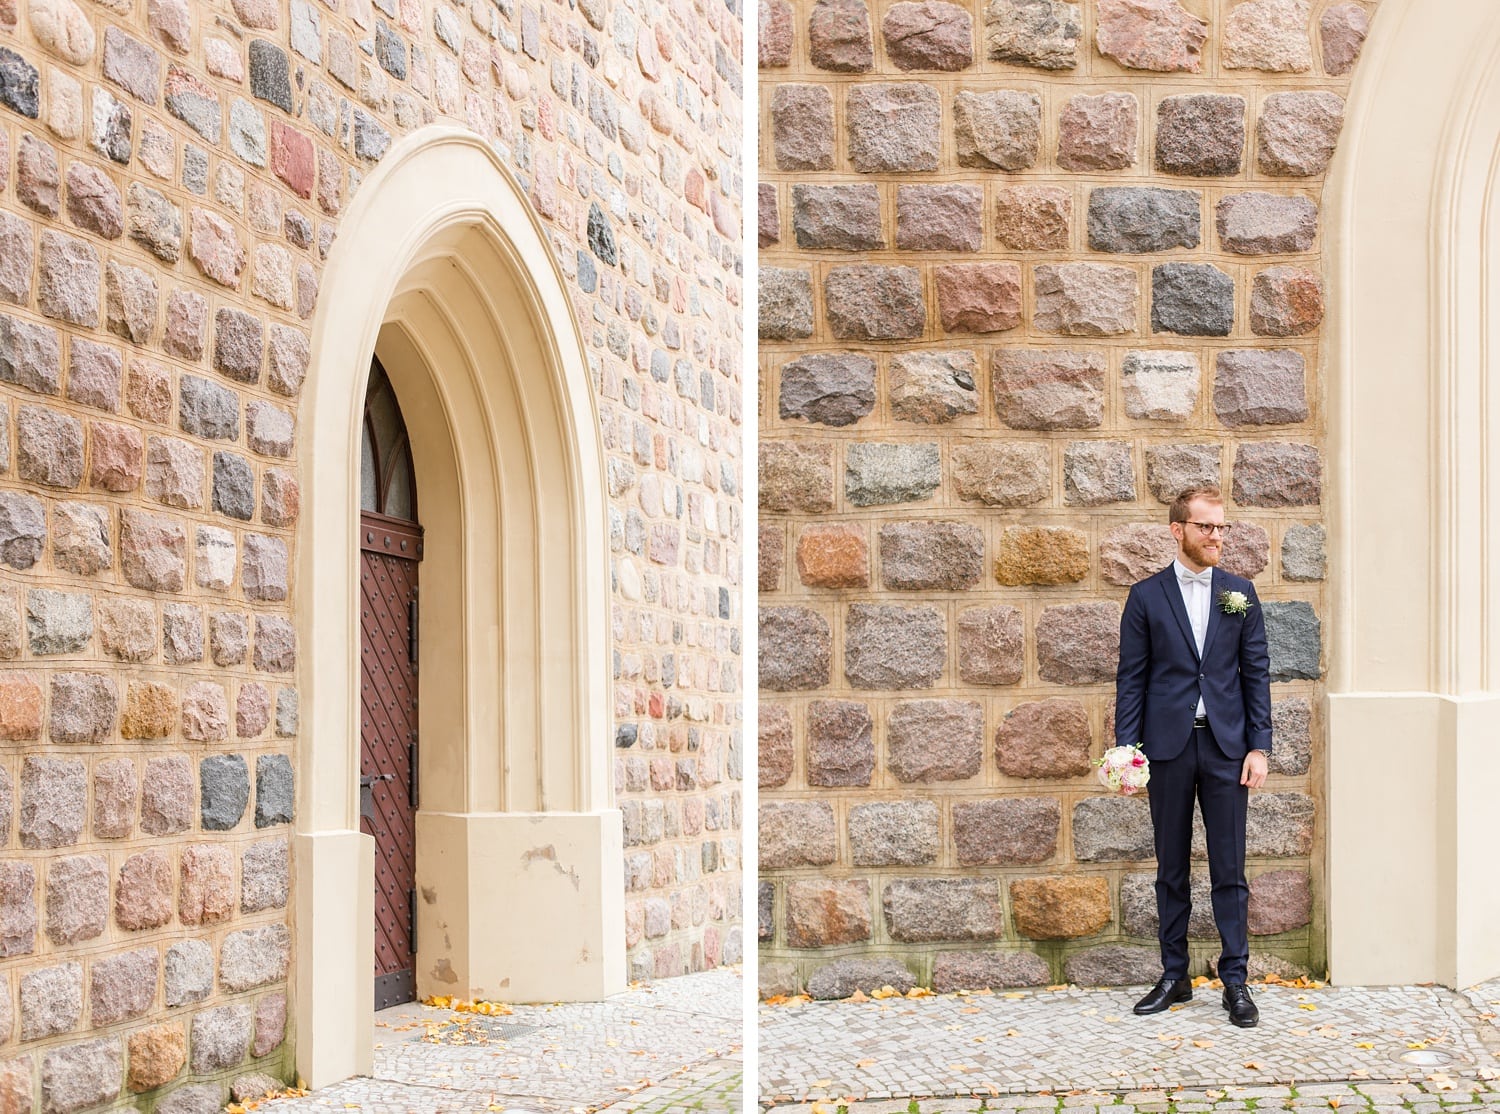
(1193, 690)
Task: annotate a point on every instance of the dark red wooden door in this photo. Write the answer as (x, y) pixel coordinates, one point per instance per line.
(390, 550)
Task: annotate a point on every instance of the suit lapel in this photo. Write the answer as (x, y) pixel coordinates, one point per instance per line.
(1215, 613)
(1173, 592)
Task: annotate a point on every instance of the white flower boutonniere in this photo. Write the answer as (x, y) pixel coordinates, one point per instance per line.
(1234, 603)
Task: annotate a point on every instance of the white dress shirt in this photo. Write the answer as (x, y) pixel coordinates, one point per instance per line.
(1197, 593)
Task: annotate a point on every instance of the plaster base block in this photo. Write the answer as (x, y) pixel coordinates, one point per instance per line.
(520, 907)
(1411, 894)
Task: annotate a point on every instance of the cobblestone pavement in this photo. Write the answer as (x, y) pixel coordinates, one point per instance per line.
(1348, 1048)
(668, 1047)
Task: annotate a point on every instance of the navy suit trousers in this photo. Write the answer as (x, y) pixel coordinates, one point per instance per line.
(1203, 771)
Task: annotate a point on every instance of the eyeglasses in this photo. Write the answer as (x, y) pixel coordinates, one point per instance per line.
(1213, 527)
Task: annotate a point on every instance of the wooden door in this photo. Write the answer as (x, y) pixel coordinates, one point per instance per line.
(390, 549)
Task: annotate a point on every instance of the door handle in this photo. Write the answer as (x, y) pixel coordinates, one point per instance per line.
(367, 794)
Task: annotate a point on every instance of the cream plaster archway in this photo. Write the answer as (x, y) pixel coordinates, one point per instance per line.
(442, 267)
(1414, 704)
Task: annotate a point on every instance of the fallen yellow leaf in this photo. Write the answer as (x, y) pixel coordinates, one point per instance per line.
(859, 996)
(919, 992)
(886, 992)
(1416, 1044)
(1334, 1102)
(1203, 1044)
(866, 1063)
(1307, 1006)
(1253, 1065)
(822, 1082)
(1365, 1044)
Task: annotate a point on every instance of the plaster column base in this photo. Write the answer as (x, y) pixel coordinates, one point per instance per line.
(335, 932)
(520, 907)
(1411, 786)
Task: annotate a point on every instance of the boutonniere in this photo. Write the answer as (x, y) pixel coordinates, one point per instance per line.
(1234, 603)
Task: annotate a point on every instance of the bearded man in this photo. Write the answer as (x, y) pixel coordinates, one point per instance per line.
(1193, 691)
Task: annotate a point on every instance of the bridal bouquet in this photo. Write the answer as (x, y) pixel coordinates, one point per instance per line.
(1124, 770)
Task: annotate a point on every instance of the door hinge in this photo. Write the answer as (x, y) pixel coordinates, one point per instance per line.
(414, 797)
(411, 633)
(411, 919)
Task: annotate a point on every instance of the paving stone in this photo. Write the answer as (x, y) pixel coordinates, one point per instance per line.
(892, 127)
(796, 833)
(1191, 299)
(877, 473)
(795, 649)
(143, 893)
(921, 556)
(1106, 829)
(837, 217)
(801, 130)
(991, 645)
(77, 899)
(997, 130)
(30, 355)
(840, 746)
(928, 35)
(1342, 31)
(1200, 134)
(1045, 388)
(1096, 473)
(894, 833)
(1060, 908)
(1007, 474)
(1260, 386)
(1286, 302)
(954, 971)
(1044, 739)
(946, 217)
(54, 800)
(123, 986)
(156, 1055)
(775, 747)
(978, 297)
(839, 38)
(1141, 219)
(785, 304)
(1033, 218)
(1171, 469)
(830, 388)
(49, 447)
(1268, 35)
(1113, 965)
(1297, 132)
(833, 556)
(1007, 831)
(127, 629)
(1277, 474)
(872, 302)
(935, 740)
(1159, 35)
(220, 1038)
(77, 1076)
(823, 913)
(888, 647)
(842, 977)
(23, 531)
(225, 786)
(1085, 299)
(927, 910)
(1039, 33)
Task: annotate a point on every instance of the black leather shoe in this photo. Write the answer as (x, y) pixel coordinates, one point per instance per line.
(1241, 1006)
(1164, 994)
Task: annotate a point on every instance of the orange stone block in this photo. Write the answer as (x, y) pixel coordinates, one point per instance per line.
(833, 557)
(1060, 908)
(20, 707)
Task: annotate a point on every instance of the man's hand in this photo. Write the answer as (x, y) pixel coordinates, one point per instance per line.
(1254, 771)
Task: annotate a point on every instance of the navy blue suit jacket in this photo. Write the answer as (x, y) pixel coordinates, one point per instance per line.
(1160, 675)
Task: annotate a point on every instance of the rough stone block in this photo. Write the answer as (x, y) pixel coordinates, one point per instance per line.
(1280, 901)
(1078, 644)
(114, 799)
(935, 740)
(1097, 473)
(1138, 912)
(833, 556)
(80, 536)
(802, 129)
(1268, 35)
(54, 801)
(1160, 385)
(1257, 223)
(224, 780)
(127, 629)
(153, 551)
(206, 409)
(998, 130)
(1106, 829)
(822, 914)
(49, 447)
(1294, 637)
(878, 473)
(1004, 474)
(206, 895)
(252, 710)
(830, 388)
(116, 456)
(167, 796)
(254, 956)
(187, 973)
(894, 833)
(30, 355)
(143, 893)
(1033, 218)
(932, 387)
(1098, 132)
(20, 707)
(1048, 388)
(840, 743)
(17, 908)
(991, 645)
(893, 128)
(1039, 33)
(1191, 299)
(1260, 386)
(1113, 965)
(1158, 35)
(215, 558)
(130, 302)
(1302, 552)
(1060, 908)
(1044, 739)
(77, 899)
(270, 1024)
(1141, 219)
(786, 304)
(156, 1056)
(1342, 32)
(837, 217)
(69, 278)
(78, 1076)
(797, 833)
(978, 297)
(775, 746)
(925, 910)
(1277, 474)
(122, 987)
(928, 35)
(954, 971)
(1008, 831)
(1286, 302)
(1280, 825)
(887, 647)
(922, 556)
(1200, 134)
(1171, 469)
(274, 790)
(839, 38)
(23, 531)
(1133, 552)
(150, 711)
(83, 707)
(1041, 555)
(842, 977)
(796, 646)
(58, 622)
(866, 301)
(220, 1038)
(95, 372)
(181, 633)
(275, 644)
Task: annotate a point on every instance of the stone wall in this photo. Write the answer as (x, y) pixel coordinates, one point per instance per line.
(172, 175)
(1028, 269)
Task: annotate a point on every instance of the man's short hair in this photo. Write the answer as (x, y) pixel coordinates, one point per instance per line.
(1179, 512)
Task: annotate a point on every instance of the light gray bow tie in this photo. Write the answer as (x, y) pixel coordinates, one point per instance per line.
(1204, 577)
